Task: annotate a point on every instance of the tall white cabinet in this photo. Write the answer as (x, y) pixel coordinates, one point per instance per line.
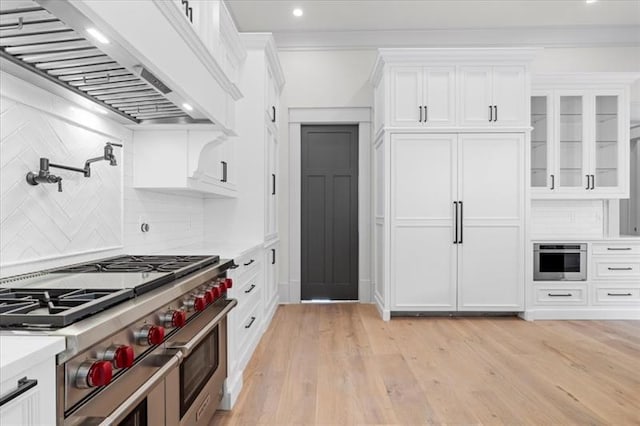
(451, 176)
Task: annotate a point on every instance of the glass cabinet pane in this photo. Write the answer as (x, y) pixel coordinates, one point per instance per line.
(571, 141)
(606, 141)
(539, 141)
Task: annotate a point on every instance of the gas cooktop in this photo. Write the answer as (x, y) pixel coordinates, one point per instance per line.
(59, 297)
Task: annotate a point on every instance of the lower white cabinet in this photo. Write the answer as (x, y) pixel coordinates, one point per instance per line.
(271, 295)
(457, 234)
(28, 380)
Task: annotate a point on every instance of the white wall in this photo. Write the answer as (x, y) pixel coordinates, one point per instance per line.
(339, 78)
(93, 217)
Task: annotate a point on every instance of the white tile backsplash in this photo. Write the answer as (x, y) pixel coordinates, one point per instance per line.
(571, 219)
(93, 217)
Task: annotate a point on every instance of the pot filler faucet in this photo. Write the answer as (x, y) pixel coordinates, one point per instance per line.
(44, 176)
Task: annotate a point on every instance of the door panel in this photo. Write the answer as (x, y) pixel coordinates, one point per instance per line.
(406, 96)
(571, 136)
(491, 256)
(330, 212)
(508, 90)
(439, 96)
(423, 184)
(475, 89)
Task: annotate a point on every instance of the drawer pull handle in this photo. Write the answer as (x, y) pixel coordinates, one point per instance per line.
(250, 322)
(618, 248)
(249, 262)
(250, 289)
(24, 385)
(619, 294)
(620, 269)
(559, 294)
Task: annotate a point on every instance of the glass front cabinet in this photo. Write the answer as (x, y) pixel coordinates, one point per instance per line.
(579, 143)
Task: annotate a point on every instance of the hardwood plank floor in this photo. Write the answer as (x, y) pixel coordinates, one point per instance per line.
(340, 364)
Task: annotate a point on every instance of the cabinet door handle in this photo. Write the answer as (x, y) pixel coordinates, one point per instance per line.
(588, 182)
(619, 294)
(420, 119)
(490, 114)
(273, 119)
(495, 115)
(618, 248)
(190, 14)
(250, 322)
(426, 114)
(455, 222)
(273, 256)
(553, 182)
(593, 181)
(559, 294)
(620, 269)
(273, 184)
(250, 289)
(24, 385)
(461, 221)
(224, 171)
(249, 262)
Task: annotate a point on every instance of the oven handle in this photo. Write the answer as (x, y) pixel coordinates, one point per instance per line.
(572, 251)
(187, 348)
(141, 393)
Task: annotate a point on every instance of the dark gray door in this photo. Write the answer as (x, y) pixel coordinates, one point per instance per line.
(329, 212)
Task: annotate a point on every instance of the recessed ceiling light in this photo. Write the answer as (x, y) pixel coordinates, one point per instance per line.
(591, 1)
(298, 12)
(98, 35)
(187, 106)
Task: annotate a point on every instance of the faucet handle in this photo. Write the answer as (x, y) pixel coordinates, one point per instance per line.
(59, 184)
(114, 144)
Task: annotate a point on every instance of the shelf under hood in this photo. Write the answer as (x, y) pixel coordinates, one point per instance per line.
(40, 42)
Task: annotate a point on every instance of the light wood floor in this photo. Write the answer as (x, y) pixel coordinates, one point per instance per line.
(340, 364)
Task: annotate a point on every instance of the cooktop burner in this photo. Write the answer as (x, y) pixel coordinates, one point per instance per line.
(55, 307)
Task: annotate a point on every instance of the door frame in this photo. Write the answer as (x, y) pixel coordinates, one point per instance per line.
(361, 116)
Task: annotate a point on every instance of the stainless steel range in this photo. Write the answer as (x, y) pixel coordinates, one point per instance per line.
(146, 336)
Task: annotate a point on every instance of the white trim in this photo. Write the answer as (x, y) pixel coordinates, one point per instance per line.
(356, 115)
(265, 41)
(557, 36)
(583, 314)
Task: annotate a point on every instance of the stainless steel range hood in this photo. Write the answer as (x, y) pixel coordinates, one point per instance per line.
(49, 38)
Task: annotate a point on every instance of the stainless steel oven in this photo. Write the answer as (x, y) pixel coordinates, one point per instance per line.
(560, 262)
(194, 389)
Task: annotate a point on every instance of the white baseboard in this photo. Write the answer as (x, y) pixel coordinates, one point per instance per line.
(270, 310)
(583, 314)
(384, 313)
(232, 389)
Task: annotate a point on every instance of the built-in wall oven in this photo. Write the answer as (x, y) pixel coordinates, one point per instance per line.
(560, 262)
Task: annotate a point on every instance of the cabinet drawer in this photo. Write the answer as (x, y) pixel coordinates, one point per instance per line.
(615, 249)
(247, 264)
(557, 296)
(605, 268)
(622, 294)
(248, 327)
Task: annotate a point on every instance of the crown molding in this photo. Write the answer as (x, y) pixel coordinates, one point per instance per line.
(266, 41)
(570, 36)
(582, 79)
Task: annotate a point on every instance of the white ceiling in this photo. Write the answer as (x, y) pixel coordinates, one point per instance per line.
(401, 15)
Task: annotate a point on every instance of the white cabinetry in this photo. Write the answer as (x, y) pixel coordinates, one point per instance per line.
(449, 193)
(28, 384)
(580, 138)
(271, 203)
(449, 219)
(491, 96)
(200, 161)
(422, 96)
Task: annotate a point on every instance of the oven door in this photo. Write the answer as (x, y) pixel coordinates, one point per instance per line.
(195, 389)
(128, 401)
(559, 264)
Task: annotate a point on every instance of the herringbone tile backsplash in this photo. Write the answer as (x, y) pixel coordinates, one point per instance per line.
(38, 221)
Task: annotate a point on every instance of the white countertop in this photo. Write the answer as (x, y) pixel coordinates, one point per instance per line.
(17, 350)
(226, 250)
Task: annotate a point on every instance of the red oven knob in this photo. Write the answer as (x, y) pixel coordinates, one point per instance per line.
(150, 335)
(215, 290)
(196, 303)
(228, 282)
(175, 318)
(209, 296)
(92, 374)
(120, 356)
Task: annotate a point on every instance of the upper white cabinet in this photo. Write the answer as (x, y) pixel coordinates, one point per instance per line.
(422, 96)
(492, 96)
(452, 88)
(201, 161)
(192, 46)
(580, 137)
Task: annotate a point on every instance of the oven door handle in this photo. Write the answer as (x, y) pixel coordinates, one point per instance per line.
(141, 393)
(187, 348)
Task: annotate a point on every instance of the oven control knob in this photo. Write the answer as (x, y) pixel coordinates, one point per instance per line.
(216, 292)
(228, 282)
(196, 303)
(175, 318)
(120, 356)
(150, 335)
(92, 374)
(209, 296)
